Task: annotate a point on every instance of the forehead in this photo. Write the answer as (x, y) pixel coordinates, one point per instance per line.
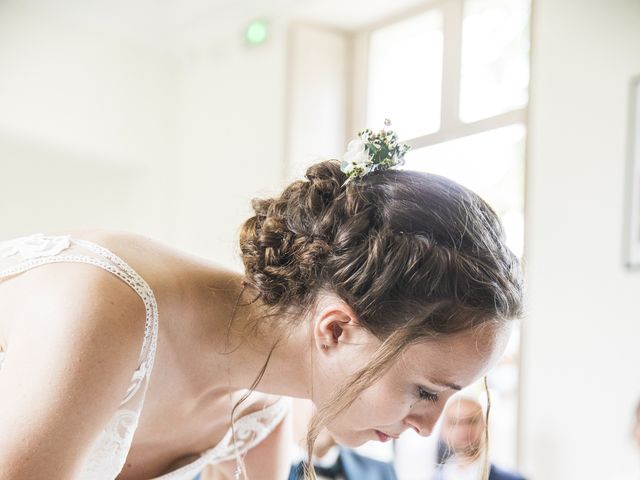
(459, 358)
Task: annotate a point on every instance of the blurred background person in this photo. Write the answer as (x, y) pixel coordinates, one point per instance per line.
(634, 474)
(462, 444)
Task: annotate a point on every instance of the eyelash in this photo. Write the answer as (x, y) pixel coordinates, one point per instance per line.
(426, 395)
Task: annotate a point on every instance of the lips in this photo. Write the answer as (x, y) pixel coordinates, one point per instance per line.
(383, 437)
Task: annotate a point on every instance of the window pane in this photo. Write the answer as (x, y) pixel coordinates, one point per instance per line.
(405, 75)
(492, 165)
(495, 57)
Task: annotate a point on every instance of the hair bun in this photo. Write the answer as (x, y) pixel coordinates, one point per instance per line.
(326, 179)
(284, 243)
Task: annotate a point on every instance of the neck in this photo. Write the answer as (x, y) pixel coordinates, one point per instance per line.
(250, 340)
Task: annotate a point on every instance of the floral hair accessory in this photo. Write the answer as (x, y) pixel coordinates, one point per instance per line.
(372, 152)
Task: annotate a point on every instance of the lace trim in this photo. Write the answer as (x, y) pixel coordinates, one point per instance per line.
(109, 453)
(131, 277)
(250, 431)
(122, 271)
(34, 246)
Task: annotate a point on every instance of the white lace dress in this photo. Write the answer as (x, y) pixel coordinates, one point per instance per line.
(109, 452)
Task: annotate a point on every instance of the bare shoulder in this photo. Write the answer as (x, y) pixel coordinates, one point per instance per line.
(73, 296)
(133, 247)
(165, 267)
(75, 341)
(116, 237)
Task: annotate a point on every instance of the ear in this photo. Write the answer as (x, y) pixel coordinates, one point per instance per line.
(336, 325)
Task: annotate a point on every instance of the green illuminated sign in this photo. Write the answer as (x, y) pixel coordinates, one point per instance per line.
(256, 32)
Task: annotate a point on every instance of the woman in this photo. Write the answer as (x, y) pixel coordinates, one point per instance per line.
(462, 443)
(376, 293)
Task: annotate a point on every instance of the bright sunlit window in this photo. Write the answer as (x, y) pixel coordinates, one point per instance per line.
(405, 70)
(495, 58)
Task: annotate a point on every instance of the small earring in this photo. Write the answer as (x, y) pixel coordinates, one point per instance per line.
(325, 347)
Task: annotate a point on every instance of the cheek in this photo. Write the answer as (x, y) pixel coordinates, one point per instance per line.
(377, 406)
(384, 403)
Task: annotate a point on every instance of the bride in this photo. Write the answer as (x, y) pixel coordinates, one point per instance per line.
(375, 292)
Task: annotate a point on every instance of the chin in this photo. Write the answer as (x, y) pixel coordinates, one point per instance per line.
(350, 439)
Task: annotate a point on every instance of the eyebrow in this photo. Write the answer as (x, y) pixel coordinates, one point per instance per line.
(452, 386)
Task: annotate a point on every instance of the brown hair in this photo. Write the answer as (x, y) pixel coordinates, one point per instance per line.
(413, 254)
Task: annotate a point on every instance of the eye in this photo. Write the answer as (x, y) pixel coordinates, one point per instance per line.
(426, 395)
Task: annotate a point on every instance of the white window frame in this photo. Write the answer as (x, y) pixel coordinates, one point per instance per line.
(451, 127)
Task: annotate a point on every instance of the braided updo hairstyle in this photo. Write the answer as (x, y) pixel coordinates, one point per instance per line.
(413, 254)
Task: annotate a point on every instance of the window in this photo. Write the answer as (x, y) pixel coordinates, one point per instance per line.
(405, 70)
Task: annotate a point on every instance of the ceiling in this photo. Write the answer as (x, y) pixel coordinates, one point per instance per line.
(162, 22)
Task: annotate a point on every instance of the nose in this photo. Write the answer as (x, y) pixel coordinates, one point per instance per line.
(423, 421)
(422, 427)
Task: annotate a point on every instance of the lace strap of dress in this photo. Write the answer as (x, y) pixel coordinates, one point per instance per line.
(108, 454)
(250, 430)
(135, 281)
(39, 249)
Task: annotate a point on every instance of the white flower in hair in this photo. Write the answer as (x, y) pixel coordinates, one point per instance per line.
(371, 152)
(355, 157)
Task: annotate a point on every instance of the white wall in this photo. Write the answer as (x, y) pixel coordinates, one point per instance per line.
(231, 127)
(317, 95)
(97, 131)
(85, 127)
(581, 338)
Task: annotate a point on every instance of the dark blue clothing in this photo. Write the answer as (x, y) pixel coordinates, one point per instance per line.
(355, 467)
(495, 473)
(498, 474)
